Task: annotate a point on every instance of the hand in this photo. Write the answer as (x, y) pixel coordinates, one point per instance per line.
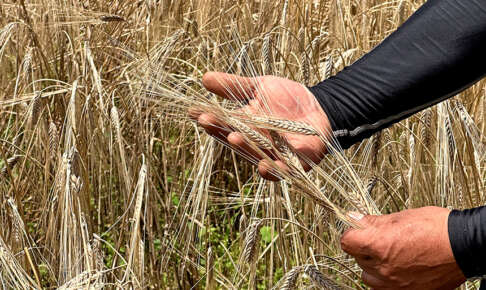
(405, 250)
(271, 96)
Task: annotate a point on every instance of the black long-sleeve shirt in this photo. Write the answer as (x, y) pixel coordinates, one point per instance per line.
(437, 53)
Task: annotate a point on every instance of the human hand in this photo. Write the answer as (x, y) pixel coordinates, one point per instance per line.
(267, 96)
(405, 250)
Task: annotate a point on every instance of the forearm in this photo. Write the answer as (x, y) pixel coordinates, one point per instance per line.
(436, 54)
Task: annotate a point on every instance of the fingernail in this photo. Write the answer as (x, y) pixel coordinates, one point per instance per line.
(355, 215)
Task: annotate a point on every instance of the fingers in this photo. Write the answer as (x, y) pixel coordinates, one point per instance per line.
(373, 281)
(269, 172)
(229, 86)
(356, 242)
(225, 134)
(213, 126)
(236, 140)
(267, 169)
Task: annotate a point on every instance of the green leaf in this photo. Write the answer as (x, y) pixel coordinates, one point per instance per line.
(175, 199)
(158, 244)
(266, 233)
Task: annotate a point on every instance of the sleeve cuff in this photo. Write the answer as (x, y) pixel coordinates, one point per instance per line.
(467, 235)
(340, 134)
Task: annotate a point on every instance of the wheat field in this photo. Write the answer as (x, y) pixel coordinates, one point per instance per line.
(107, 183)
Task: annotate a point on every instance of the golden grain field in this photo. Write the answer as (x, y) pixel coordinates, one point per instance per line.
(107, 183)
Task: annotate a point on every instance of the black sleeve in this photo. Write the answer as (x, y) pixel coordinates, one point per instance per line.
(467, 234)
(437, 53)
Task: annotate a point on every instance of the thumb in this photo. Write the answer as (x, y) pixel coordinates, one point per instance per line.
(361, 220)
(229, 86)
(353, 239)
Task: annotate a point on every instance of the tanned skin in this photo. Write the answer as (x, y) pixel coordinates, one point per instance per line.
(405, 250)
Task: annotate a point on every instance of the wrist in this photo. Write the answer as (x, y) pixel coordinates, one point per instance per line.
(338, 132)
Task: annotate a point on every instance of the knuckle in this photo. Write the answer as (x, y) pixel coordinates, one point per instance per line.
(370, 219)
(345, 242)
(390, 273)
(299, 146)
(386, 271)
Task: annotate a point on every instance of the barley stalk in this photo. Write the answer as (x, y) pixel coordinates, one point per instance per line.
(209, 268)
(426, 119)
(135, 236)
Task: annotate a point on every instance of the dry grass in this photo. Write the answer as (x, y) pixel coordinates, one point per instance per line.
(107, 183)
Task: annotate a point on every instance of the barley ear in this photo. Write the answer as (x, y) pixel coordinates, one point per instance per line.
(36, 109)
(112, 18)
(289, 281)
(115, 122)
(371, 184)
(304, 68)
(9, 165)
(252, 135)
(250, 249)
(288, 126)
(319, 279)
(53, 139)
(329, 65)
(401, 12)
(304, 61)
(252, 239)
(450, 138)
(426, 118)
(375, 149)
(267, 55)
(244, 60)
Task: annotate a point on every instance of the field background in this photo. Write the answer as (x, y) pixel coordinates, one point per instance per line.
(105, 183)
